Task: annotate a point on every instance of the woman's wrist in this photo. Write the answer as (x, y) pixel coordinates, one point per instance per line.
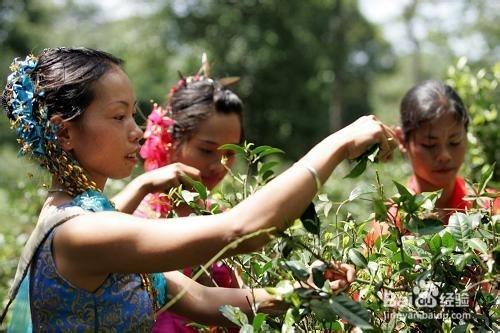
(142, 184)
(339, 142)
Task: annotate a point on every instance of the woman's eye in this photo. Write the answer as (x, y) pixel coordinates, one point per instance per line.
(454, 144)
(120, 117)
(205, 151)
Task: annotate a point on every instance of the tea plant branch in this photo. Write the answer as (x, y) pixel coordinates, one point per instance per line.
(495, 277)
(249, 274)
(382, 286)
(304, 246)
(229, 246)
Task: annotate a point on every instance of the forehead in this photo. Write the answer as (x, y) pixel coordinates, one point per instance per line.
(444, 125)
(114, 85)
(219, 128)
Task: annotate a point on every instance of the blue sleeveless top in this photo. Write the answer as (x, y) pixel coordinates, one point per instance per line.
(120, 304)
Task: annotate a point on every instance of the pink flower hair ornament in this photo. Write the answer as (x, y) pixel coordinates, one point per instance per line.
(159, 141)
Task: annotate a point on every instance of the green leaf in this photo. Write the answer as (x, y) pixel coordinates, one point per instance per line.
(357, 258)
(286, 248)
(403, 191)
(407, 259)
(373, 153)
(289, 318)
(463, 259)
(380, 209)
(448, 241)
(435, 243)
(247, 328)
(299, 270)
(358, 169)
(236, 148)
(323, 197)
(198, 186)
(310, 220)
(258, 320)
(266, 175)
(263, 167)
(478, 244)
(326, 209)
(234, 314)
(460, 227)
(344, 307)
(318, 274)
(370, 154)
(262, 151)
(425, 226)
(323, 310)
(360, 190)
(486, 177)
(259, 149)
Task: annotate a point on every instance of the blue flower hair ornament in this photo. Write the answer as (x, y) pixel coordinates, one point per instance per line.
(27, 113)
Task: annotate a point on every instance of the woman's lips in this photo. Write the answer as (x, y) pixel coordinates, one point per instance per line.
(132, 157)
(444, 170)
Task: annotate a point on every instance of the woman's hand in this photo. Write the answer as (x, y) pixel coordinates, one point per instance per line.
(172, 175)
(365, 132)
(339, 274)
(155, 181)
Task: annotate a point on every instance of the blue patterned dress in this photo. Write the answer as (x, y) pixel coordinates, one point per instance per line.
(120, 304)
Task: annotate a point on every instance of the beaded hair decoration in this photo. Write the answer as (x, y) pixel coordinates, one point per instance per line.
(37, 135)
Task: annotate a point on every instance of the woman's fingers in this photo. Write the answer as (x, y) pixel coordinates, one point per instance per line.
(338, 285)
(350, 271)
(387, 144)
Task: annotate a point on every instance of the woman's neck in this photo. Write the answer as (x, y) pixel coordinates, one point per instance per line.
(446, 195)
(56, 186)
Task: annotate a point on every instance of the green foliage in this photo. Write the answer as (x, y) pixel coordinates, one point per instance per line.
(418, 275)
(306, 68)
(21, 196)
(479, 91)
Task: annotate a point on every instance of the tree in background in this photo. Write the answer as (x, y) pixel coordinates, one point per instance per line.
(306, 67)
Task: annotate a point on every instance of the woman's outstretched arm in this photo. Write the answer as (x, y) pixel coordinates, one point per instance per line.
(201, 304)
(106, 242)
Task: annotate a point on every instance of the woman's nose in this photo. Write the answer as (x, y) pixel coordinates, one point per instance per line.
(136, 133)
(443, 155)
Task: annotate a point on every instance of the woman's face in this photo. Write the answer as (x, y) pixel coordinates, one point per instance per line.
(201, 150)
(105, 138)
(437, 150)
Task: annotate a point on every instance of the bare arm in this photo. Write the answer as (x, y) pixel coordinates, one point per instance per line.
(201, 304)
(100, 243)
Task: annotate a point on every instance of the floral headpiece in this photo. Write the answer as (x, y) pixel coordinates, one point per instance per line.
(28, 115)
(37, 135)
(159, 141)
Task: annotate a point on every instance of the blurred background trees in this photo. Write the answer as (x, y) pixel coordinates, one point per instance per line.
(306, 67)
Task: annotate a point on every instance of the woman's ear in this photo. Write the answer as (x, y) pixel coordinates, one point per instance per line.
(401, 139)
(63, 132)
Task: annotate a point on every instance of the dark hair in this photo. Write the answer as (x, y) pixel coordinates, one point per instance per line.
(189, 105)
(66, 76)
(428, 100)
(63, 82)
